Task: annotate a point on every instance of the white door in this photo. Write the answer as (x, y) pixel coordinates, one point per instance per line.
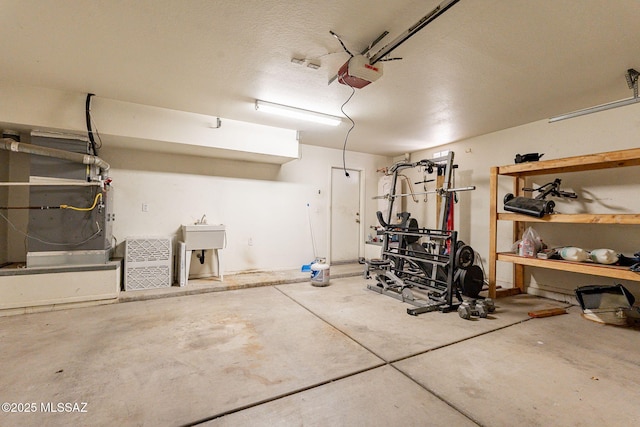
(345, 215)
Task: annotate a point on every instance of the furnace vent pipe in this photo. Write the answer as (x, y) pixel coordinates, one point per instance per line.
(20, 147)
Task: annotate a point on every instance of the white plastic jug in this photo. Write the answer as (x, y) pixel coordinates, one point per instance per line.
(604, 256)
(571, 253)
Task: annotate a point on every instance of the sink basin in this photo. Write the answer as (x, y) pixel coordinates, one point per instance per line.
(203, 236)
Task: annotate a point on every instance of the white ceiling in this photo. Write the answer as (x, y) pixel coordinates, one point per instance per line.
(483, 66)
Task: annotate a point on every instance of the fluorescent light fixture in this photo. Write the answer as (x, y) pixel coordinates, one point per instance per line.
(632, 81)
(297, 113)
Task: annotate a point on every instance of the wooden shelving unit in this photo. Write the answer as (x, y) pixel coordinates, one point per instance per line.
(519, 172)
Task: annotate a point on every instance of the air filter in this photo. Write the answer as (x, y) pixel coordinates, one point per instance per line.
(147, 263)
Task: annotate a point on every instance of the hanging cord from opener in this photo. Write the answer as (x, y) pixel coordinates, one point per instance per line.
(353, 91)
(346, 138)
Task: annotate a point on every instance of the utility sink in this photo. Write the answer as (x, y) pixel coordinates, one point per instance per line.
(203, 236)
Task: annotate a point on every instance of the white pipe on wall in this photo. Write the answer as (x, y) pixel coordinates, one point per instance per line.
(20, 147)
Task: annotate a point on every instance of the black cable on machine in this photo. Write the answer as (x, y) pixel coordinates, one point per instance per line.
(88, 118)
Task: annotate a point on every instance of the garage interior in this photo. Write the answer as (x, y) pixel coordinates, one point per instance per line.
(173, 254)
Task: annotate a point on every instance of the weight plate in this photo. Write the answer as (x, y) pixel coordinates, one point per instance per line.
(465, 256)
(471, 281)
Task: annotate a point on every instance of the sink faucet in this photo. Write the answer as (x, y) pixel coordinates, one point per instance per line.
(202, 220)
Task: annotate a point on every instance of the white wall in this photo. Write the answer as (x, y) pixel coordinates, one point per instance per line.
(261, 203)
(608, 191)
(181, 169)
(313, 170)
(267, 203)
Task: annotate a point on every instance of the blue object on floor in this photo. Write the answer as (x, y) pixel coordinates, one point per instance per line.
(307, 267)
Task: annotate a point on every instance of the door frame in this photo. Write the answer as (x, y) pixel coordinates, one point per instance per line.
(361, 201)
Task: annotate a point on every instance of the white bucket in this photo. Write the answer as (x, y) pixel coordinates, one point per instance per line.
(319, 274)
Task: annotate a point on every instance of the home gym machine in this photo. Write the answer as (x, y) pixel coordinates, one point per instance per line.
(428, 268)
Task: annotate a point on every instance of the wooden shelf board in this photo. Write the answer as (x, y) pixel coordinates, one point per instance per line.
(507, 292)
(630, 219)
(616, 272)
(606, 160)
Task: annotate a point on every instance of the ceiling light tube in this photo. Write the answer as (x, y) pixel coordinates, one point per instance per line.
(297, 113)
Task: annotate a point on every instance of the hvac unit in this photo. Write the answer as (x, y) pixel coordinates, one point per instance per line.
(147, 263)
(71, 236)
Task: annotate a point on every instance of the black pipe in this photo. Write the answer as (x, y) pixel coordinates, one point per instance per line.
(30, 207)
(87, 110)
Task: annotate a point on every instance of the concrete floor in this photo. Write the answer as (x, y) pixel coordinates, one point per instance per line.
(294, 354)
(251, 279)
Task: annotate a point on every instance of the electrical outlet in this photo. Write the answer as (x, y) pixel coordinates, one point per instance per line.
(250, 241)
(145, 207)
